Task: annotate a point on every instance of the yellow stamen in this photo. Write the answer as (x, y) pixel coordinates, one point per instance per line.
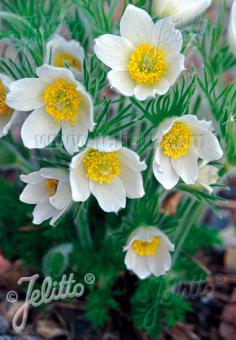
(62, 100)
(102, 167)
(177, 141)
(147, 64)
(4, 108)
(63, 58)
(146, 248)
(51, 186)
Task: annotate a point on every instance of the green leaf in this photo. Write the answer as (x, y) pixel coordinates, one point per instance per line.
(56, 261)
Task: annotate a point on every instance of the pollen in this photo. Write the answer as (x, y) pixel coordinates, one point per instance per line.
(62, 101)
(63, 59)
(51, 186)
(147, 64)
(102, 167)
(177, 141)
(4, 108)
(146, 248)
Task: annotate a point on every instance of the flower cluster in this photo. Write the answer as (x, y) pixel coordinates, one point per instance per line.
(146, 59)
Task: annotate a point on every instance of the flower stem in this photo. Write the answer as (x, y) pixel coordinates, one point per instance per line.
(142, 109)
(192, 216)
(82, 226)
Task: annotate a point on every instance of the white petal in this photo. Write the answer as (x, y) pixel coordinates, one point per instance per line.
(208, 174)
(187, 166)
(130, 259)
(195, 124)
(140, 267)
(33, 193)
(164, 238)
(78, 180)
(43, 211)
(209, 148)
(26, 94)
(163, 170)
(58, 44)
(59, 213)
(62, 196)
(4, 120)
(86, 106)
(182, 11)
(143, 92)
(137, 234)
(159, 263)
(136, 25)
(133, 183)
(110, 197)
(131, 159)
(190, 10)
(32, 178)
(121, 81)
(164, 128)
(105, 144)
(147, 233)
(232, 29)
(75, 136)
(55, 173)
(39, 129)
(5, 80)
(175, 67)
(13, 120)
(113, 51)
(49, 74)
(162, 87)
(160, 8)
(166, 37)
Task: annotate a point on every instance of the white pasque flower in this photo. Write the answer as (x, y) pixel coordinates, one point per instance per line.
(108, 171)
(181, 141)
(61, 52)
(49, 189)
(148, 252)
(146, 59)
(232, 28)
(8, 117)
(59, 103)
(208, 175)
(181, 11)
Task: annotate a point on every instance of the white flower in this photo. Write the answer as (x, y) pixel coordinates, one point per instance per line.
(145, 60)
(108, 171)
(180, 142)
(181, 11)
(232, 28)
(49, 189)
(61, 52)
(148, 252)
(8, 117)
(208, 174)
(59, 102)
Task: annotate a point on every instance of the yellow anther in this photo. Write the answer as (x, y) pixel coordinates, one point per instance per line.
(147, 64)
(102, 167)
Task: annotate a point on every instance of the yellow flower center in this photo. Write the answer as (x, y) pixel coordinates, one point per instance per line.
(177, 141)
(62, 101)
(102, 167)
(62, 59)
(147, 64)
(51, 186)
(146, 248)
(4, 108)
